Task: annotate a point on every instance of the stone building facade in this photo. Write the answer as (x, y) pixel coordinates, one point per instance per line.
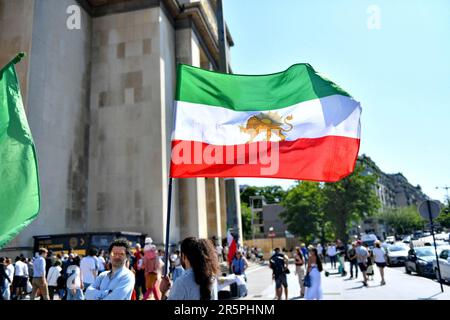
(99, 100)
(393, 191)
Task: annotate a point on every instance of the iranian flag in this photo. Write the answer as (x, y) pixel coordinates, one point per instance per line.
(232, 247)
(294, 124)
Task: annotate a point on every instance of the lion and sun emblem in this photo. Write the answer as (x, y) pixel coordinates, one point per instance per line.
(270, 123)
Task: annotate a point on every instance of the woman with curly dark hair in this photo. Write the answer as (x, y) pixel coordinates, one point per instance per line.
(199, 281)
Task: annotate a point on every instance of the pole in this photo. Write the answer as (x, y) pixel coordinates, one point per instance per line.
(223, 65)
(14, 60)
(169, 207)
(435, 249)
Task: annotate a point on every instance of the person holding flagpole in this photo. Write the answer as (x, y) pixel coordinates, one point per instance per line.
(199, 281)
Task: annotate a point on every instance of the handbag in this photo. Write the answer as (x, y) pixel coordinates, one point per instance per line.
(287, 271)
(307, 281)
(29, 287)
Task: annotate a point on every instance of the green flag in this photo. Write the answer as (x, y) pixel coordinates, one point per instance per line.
(19, 181)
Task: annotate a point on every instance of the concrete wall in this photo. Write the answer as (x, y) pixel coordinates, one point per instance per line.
(133, 87)
(16, 28)
(58, 114)
(125, 177)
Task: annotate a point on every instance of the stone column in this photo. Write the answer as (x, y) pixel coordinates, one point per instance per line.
(192, 192)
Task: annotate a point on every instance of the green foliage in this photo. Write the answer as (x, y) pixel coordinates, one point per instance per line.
(272, 194)
(444, 217)
(246, 214)
(402, 220)
(350, 199)
(304, 215)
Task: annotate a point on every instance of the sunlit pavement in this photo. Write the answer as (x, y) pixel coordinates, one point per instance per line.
(399, 286)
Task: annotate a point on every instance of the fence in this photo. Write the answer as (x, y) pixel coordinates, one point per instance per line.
(266, 244)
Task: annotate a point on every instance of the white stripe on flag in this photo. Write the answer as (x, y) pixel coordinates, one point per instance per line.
(330, 116)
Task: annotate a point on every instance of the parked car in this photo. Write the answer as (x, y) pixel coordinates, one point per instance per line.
(397, 254)
(407, 239)
(420, 260)
(444, 263)
(390, 239)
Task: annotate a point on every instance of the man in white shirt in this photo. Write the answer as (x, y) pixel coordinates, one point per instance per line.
(20, 278)
(89, 268)
(10, 273)
(331, 252)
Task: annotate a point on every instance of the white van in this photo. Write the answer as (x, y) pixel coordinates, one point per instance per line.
(390, 239)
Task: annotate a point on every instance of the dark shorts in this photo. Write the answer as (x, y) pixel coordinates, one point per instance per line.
(362, 267)
(20, 282)
(380, 264)
(281, 280)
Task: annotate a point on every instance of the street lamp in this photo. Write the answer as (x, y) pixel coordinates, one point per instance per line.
(446, 189)
(359, 232)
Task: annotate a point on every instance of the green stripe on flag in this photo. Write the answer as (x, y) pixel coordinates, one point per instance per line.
(19, 181)
(297, 84)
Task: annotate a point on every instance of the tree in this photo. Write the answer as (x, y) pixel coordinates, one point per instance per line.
(444, 217)
(350, 199)
(271, 194)
(403, 220)
(304, 214)
(246, 214)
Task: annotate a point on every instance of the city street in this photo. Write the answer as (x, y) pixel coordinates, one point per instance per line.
(399, 286)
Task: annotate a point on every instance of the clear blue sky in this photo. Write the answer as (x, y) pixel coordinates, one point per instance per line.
(400, 72)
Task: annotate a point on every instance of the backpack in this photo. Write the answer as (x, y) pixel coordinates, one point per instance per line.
(277, 264)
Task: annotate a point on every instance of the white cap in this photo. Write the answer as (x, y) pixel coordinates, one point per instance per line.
(148, 240)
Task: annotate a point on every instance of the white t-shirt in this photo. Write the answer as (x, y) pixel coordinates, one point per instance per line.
(74, 280)
(21, 269)
(101, 264)
(361, 254)
(10, 271)
(88, 265)
(53, 274)
(379, 255)
(331, 251)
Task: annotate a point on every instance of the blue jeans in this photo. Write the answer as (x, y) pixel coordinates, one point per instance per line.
(4, 292)
(333, 261)
(354, 263)
(77, 296)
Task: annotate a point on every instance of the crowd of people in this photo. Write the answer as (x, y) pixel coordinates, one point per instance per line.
(309, 264)
(193, 272)
(118, 274)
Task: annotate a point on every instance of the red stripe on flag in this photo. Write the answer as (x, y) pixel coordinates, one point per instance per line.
(231, 249)
(329, 159)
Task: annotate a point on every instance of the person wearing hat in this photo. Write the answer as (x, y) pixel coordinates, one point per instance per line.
(152, 266)
(380, 259)
(362, 255)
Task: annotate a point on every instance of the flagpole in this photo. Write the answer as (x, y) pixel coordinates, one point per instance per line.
(169, 207)
(15, 60)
